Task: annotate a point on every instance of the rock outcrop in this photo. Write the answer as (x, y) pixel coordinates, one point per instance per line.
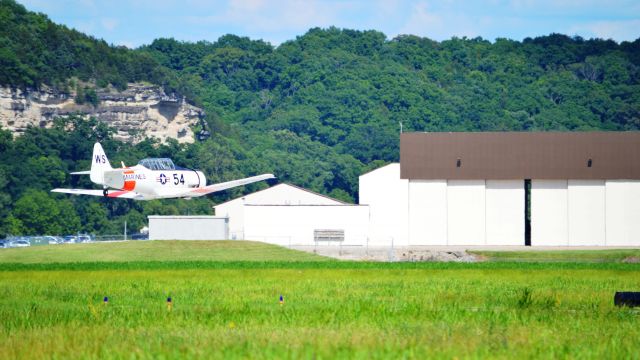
(139, 111)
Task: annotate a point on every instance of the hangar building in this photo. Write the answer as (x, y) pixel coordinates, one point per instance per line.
(491, 188)
(472, 189)
(289, 215)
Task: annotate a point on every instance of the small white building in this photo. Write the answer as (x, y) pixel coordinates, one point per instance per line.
(188, 227)
(289, 215)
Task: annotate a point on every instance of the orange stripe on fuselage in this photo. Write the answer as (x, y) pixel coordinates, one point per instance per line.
(129, 185)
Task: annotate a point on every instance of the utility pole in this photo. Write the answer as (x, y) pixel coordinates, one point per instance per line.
(125, 229)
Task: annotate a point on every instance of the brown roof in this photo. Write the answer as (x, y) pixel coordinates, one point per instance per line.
(520, 155)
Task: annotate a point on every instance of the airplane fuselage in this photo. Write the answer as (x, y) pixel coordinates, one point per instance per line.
(153, 183)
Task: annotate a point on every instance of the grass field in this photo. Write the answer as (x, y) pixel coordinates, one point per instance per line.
(132, 251)
(225, 305)
(594, 256)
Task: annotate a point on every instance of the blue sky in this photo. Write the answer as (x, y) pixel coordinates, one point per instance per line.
(136, 22)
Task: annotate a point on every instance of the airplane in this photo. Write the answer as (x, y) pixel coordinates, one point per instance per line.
(152, 178)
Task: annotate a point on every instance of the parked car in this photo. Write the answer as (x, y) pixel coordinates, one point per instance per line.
(140, 236)
(70, 239)
(20, 243)
(84, 238)
(4, 244)
(53, 240)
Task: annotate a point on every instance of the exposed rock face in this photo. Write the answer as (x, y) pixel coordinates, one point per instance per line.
(138, 112)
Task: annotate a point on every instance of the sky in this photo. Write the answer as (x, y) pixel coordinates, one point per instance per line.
(138, 22)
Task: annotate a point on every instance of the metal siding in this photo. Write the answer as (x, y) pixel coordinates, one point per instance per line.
(549, 213)
(520, 155)
(623, 213)
(295, 225)
(505, 212)
(387, 196)
(586, 206)
(427, 212)
(466, 212)
(187, 228)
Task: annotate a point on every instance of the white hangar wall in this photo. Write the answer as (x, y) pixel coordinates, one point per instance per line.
(549, 217)
(281, 194)
(585, 213)
(466, 212)
(427, 220)
(295, 224)
(442, 212)
(188, 228)
(505, 212)
(622, 213)
(387, 197)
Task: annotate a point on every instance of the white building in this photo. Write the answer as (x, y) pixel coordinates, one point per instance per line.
(442, 212)
(188, 227)
(288, 215)
(470, 189)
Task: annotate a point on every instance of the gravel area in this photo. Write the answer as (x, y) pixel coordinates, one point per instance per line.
(426, 253)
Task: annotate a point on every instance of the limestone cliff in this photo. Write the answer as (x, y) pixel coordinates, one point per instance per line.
(137, 112)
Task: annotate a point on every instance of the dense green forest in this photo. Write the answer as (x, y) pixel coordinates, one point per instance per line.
(316, 111)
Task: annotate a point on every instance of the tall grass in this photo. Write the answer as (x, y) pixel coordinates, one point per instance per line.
(226, 305)
(327, 313)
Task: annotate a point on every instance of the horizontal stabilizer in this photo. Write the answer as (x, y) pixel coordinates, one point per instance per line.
(81, 172)
(229, 184)
(110, 193)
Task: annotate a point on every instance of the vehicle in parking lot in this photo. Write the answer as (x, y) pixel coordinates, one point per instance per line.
(20, 243)
(4, 244)
(53, 240)
(70, 239)
(140, 236)
(84, 238)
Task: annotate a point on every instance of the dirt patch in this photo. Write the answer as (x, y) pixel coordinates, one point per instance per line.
(405, 254)
(631, 260)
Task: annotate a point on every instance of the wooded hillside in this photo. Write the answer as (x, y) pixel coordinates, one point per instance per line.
(316, 111)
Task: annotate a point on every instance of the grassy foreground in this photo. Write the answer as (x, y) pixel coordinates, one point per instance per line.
(331, 309)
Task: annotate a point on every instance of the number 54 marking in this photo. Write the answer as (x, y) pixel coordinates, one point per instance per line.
(177, 180)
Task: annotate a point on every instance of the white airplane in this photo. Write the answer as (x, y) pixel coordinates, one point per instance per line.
(155, 178)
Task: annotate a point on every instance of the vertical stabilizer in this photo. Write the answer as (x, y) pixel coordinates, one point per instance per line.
(99, 164)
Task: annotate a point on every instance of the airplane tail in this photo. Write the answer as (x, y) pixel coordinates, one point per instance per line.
(99, 164)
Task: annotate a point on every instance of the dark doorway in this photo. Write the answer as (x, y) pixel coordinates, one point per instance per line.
(527, 212)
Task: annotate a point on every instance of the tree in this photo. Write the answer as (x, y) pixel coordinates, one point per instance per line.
(40, 214)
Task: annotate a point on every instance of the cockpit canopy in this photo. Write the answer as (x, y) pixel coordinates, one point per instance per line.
(158, 164)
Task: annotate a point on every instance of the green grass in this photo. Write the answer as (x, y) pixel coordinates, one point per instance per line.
(226, 306)
(159, 250)
(562, 255)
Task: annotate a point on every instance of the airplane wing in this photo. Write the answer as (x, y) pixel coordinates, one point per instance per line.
(228, 185)
(110, 194)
